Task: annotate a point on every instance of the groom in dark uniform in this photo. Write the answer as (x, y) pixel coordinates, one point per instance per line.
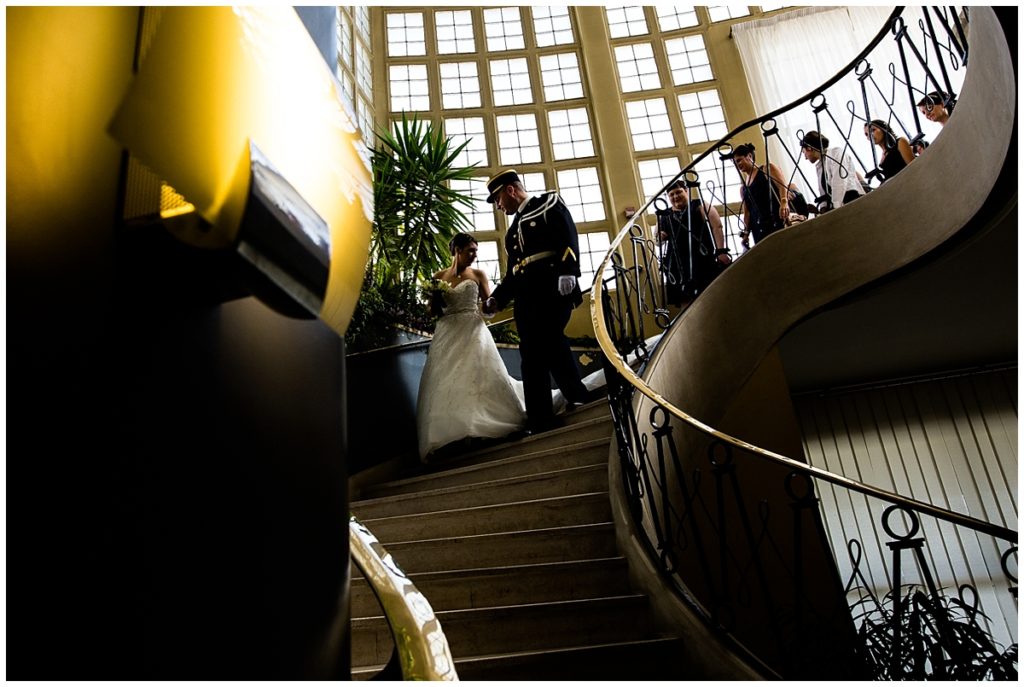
(542, 279)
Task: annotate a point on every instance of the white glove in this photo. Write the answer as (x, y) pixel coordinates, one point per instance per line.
(566, 283)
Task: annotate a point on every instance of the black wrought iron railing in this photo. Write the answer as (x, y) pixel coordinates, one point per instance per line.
(736, 529)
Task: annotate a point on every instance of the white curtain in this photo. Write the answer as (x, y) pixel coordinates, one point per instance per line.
(787, 56)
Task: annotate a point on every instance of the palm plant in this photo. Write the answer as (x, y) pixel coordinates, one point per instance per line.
(416, 214)
(932, 637)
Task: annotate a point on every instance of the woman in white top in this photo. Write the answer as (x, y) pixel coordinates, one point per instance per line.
(838, 181)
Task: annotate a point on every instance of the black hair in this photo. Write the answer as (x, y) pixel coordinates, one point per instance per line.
(933, 98)
(745, 149)
(889, 134)
(808, 141)
(678, 183)
(460, 241)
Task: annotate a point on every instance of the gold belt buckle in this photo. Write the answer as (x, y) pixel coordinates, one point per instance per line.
(521, 265)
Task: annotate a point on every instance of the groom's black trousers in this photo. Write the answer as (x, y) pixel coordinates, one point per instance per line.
(541, 315)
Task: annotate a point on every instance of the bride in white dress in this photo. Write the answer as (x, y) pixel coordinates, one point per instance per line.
(465, 390)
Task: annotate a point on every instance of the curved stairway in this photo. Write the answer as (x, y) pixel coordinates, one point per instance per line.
(514, 547)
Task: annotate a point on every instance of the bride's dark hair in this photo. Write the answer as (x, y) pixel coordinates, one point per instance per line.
(460, 241)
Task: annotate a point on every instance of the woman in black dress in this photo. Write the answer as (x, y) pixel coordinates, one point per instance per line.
(896, 151)
(765, 203)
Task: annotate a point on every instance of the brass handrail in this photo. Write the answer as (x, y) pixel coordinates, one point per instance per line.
(420, 645)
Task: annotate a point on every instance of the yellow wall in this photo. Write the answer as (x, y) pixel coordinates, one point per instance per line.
(67, 68)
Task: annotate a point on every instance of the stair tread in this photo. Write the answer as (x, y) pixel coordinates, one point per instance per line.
(539, 530)
(508, 569)
(568, 498)
(469, 662)
(463, 469)
(661, 639)
(525, 441)
(460, 488)
(519, 608)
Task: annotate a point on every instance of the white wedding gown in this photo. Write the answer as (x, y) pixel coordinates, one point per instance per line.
(465, 390)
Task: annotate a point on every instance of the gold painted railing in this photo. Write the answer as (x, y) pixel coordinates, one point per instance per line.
(421, 649)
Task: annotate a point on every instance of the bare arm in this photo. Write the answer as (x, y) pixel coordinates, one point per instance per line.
(903, 145)
(782, 188)
(483, 283)
(715, 222)
(746, 224)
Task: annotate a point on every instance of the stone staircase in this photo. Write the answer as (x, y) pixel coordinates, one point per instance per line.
(514, 547)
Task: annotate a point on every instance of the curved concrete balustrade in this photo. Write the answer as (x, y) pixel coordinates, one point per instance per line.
(719, 343)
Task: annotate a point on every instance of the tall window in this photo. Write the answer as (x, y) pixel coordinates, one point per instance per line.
(471, 129)
(364, 114)
(405, 34)
(504, 29)
(510, 82)
(481, 213)
(487, 258)
(719, 184)
(637, 69)
(534, 182)
(703, 117)
(570, 133)
(551, 26)
(649, 124)
(581, 191)
(593, 247)
(363, 22)
(560, 76)
(518, 141)
(654, 174)
(626, 21)
(672, 18)
(688, 60)
(364, 70)
(409, 87)
(460, 87)
(345, 40)
(454, 32)
(353, 71)
(723, 12)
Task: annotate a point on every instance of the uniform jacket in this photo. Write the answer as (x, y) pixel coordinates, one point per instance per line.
(544, 224)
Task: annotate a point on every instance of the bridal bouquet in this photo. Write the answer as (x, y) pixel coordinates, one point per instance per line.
(434, 290)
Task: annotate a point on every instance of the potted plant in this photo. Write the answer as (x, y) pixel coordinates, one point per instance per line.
(416, 214)
(929, 636)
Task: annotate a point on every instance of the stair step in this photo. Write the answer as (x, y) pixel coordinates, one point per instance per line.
(590, 411)
(581, 454)
(576, 480)
(557, 544)
(559, 511)
(644, 659)
(507, 585)
(507, 629)
(561, 437)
